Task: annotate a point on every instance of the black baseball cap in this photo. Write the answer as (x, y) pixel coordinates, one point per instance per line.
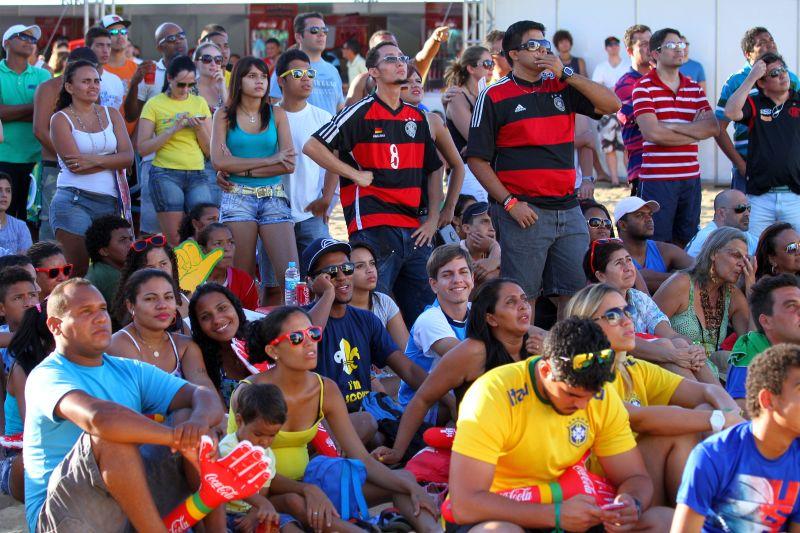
(478, 208)
(611, 41)
(320, 247)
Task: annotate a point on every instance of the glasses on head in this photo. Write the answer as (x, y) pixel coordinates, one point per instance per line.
(298, 73)
(118, 31)
(26, 37)
(774, 73)
(594, 245)
(535, 44)
(583, 361)
(314, 334)
(180, 36)
(741, 208)
(672, 46)
(393, 60)
(346, 268)
(185, 84)
(597, 222)
(208, 59)
(313, 30)
(487, 64)
(615, 315)
(792, 247)
(156, 240)
(53, 272)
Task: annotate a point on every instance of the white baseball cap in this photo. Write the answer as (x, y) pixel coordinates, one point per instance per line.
(21, 28)
(113, 18)
(629, 204)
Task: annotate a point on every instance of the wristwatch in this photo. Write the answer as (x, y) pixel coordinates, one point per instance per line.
(566, 73)
(717, 421)
(588, 178)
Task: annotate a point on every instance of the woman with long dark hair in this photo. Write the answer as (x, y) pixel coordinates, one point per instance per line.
(198, 218)
(778, 251)
(497, 330)
(251, 141)
(176, 126)
(93, 147)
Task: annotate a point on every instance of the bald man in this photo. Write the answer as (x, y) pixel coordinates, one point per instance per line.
(731, 208)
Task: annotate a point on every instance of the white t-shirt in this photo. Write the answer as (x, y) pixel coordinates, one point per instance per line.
(384, 307)
(304, 185)
(607, 75)
(112, 90)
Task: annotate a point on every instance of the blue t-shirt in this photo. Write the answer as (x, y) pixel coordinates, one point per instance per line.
(327, 93)
(349, 347)
(728, 481)
(139, 386)
(694, 70)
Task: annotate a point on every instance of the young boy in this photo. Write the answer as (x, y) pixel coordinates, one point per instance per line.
(108, 241)
(260, 413)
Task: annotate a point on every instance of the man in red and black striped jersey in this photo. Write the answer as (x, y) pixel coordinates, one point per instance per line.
(386, 155)
(673, 114)
(521, 145)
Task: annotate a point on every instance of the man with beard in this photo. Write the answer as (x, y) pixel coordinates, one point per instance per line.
(354, 339)
(656, 260)
(386, 157)
(731, 208)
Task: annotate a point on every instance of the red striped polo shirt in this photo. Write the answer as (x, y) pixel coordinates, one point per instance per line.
(651, 95)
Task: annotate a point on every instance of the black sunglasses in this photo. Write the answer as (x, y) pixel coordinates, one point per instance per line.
(184, 84)
(180, 36)
(208, 59)
(597, 222)
(486, 63)
(26, 37)
(313, 30)
(741, 208)
(346, 268)
(774, 73)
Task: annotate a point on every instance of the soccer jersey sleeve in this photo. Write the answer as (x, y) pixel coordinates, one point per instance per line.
(429, 328)
(642, 102)
(483, 128)
(727, 90)
(701, 481)
(614, 434)
(483, 421)
(578, 103)
(339, 133)
(432, 162)
(659, 383)
(748, 112)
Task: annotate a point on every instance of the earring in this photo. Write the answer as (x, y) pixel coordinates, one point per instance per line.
(133, 312)
(713, 274)
(773, 269)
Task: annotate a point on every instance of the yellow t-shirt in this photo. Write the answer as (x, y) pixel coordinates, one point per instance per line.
(182, 151)
(502, 421)
(227, 445)
(652, 385)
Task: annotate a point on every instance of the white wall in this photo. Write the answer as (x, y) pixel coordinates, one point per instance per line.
(713, 27)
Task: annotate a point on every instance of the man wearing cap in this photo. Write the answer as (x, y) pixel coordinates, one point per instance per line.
(354, 339)
(731, 208)
(655, 260)
(480, 242)
(20, 150)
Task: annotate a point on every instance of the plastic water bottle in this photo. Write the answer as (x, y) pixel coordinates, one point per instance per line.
(292, 278)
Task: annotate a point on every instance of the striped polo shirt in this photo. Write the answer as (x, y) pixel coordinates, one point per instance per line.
(631, 136)
(526, 130)
(651, 95)
(397, 147)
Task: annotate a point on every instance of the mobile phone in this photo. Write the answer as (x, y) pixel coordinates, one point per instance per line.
(612, 506)
(449, 235)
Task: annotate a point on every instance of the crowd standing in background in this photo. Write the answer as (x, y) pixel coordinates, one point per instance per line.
(184, 341)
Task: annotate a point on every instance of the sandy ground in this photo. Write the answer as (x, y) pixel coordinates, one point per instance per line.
(12, 514)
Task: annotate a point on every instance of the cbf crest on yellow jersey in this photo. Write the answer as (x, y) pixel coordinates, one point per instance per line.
(503, 421)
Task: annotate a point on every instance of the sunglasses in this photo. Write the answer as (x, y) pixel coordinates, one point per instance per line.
(185, 85)
(535, 44)
(313, 30)
(792, 247)
(26, 37)
(486, 63)
(156, 240)
(298, 73)
(582, 361)
(595, 244)
(614, 315)
(393, 60)
(597, 222)
(180, 36)
(741, 208)
(53, 272)
(346, 268)
(774, 73)
(672, 46)
(119, 31)
(314, 334)
(208, 59)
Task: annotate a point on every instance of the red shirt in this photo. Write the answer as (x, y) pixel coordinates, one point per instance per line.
(244, 287)
(651, 95)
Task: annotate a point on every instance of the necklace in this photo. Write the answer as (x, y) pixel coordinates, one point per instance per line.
(713, 315)
(777, 110)
(251, 118)
(89, 133)
(514, 79)
(156, 354)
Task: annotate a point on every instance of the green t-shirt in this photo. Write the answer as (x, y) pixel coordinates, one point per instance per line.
(19, 144)
(106, 279)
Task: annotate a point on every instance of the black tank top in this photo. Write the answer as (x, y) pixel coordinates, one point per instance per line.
(459, 139)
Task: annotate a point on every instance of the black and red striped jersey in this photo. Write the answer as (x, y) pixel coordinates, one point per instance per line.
(527, 133)
(397, 147)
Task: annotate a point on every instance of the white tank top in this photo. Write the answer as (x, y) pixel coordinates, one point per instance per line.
(99, 143)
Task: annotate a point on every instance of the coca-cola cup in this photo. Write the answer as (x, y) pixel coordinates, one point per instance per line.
(150, 74)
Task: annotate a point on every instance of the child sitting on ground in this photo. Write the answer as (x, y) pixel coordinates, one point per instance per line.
(260, 414)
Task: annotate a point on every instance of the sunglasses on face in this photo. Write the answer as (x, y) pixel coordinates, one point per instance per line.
(118, 31)
(393, 60)
(53, 272)
(185, 85)
(180, 36)
(486, 63)
(298, 73)
(791, 248)
(313, 30)
(600, 242)
(741, 208)
(614, 315)
(26, 37)
(597, 222)
(582, 361)
(156, 240)
(774, 73)
(346, 268)
(314, 334)
(535, 44)
(672, 46)
(208, 59)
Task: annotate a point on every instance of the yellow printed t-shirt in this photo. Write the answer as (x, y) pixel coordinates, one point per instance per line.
(226, 446)
(182, 151)
(652, 385)
(502, 421)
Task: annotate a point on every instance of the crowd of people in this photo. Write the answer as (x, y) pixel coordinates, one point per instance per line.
(490, 350)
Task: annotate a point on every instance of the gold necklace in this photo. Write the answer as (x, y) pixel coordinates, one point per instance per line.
(156, 354)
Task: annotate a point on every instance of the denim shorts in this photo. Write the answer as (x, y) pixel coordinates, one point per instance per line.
(249, 208)
(5, 470)
(178, 190)
(73, 210)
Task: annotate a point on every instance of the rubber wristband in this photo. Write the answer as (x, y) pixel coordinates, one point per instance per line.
(558, 517)
(507, 199)
(510, 204)
(201, 505)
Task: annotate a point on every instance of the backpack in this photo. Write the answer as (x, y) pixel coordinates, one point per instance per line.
(387, 414)
(342, 481)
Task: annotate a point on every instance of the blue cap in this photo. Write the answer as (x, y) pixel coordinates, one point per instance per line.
(320, 247)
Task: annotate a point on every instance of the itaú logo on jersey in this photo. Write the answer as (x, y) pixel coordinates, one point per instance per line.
(229, 493)
(179, 525)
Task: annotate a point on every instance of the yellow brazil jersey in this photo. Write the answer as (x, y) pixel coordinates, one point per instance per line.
(652, 385)
(502, 421)
(182, 151)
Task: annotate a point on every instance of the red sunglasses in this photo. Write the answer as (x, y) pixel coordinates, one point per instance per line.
(594, 245)
(156, 240)
(53, 272)
(314, 334)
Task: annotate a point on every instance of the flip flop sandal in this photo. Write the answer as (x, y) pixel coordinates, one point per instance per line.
(391, 521)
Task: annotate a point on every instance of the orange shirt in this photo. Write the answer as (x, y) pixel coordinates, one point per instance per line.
(125, 73)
